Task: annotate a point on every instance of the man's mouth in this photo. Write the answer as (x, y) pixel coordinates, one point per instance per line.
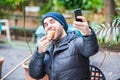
(51, 34)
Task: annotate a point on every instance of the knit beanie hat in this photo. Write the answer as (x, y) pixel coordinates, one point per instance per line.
(57, 16)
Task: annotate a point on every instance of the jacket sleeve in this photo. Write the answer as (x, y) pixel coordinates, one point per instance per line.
(36, 65)
(90, 45)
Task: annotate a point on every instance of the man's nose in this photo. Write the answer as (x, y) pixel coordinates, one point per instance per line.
(49, 26)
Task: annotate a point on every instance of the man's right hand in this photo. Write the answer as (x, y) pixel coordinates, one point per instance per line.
(43, 43)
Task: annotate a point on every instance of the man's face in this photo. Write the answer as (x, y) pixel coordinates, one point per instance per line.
(50, 24)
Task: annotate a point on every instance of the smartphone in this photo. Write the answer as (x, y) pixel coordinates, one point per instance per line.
(77, 12)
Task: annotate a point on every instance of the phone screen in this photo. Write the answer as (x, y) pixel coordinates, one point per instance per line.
(77, 12)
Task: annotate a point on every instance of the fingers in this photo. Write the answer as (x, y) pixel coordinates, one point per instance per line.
(82, 18)
(76, 23)
(43, 43)
(43, 38)
(83, 26)
(80, 25)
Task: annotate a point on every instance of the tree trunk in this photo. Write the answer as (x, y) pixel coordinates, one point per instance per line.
(110, 11)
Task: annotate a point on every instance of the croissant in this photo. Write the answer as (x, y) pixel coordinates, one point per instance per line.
(51, 34)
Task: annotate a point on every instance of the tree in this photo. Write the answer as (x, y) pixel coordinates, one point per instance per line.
(8, 6)
(110, 11)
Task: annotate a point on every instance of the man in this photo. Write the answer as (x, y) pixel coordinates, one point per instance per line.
(65, 56)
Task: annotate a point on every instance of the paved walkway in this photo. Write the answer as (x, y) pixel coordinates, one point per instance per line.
(110, 63)
(14, 54)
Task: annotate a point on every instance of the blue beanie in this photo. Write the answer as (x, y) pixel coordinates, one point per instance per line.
(57, 16)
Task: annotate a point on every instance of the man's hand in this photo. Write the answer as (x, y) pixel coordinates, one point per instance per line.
(43, 43)
(83, 26)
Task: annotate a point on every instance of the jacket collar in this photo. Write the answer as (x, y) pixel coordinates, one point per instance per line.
(63, 43)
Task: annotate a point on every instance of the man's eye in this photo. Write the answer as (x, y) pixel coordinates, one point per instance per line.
(52, 21)
(45, 25)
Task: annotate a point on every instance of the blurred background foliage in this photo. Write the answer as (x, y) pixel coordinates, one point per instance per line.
(109, 35)
(53, 5)
(62, 5)
(105, 32)
(7, 7)
(50, 5)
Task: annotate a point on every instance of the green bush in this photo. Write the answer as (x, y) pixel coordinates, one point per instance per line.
(108, 35)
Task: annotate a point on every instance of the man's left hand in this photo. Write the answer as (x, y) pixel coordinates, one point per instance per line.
(83, 26)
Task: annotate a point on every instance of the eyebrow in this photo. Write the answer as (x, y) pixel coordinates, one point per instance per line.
(51, 19)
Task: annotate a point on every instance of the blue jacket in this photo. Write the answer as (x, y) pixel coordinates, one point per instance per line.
(67, 59)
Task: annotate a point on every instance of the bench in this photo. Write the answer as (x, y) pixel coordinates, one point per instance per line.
(31, 24)
(5, 27)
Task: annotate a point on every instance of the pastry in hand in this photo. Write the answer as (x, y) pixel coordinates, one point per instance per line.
(50, 34)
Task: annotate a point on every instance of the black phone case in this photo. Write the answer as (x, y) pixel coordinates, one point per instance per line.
(77, 12)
